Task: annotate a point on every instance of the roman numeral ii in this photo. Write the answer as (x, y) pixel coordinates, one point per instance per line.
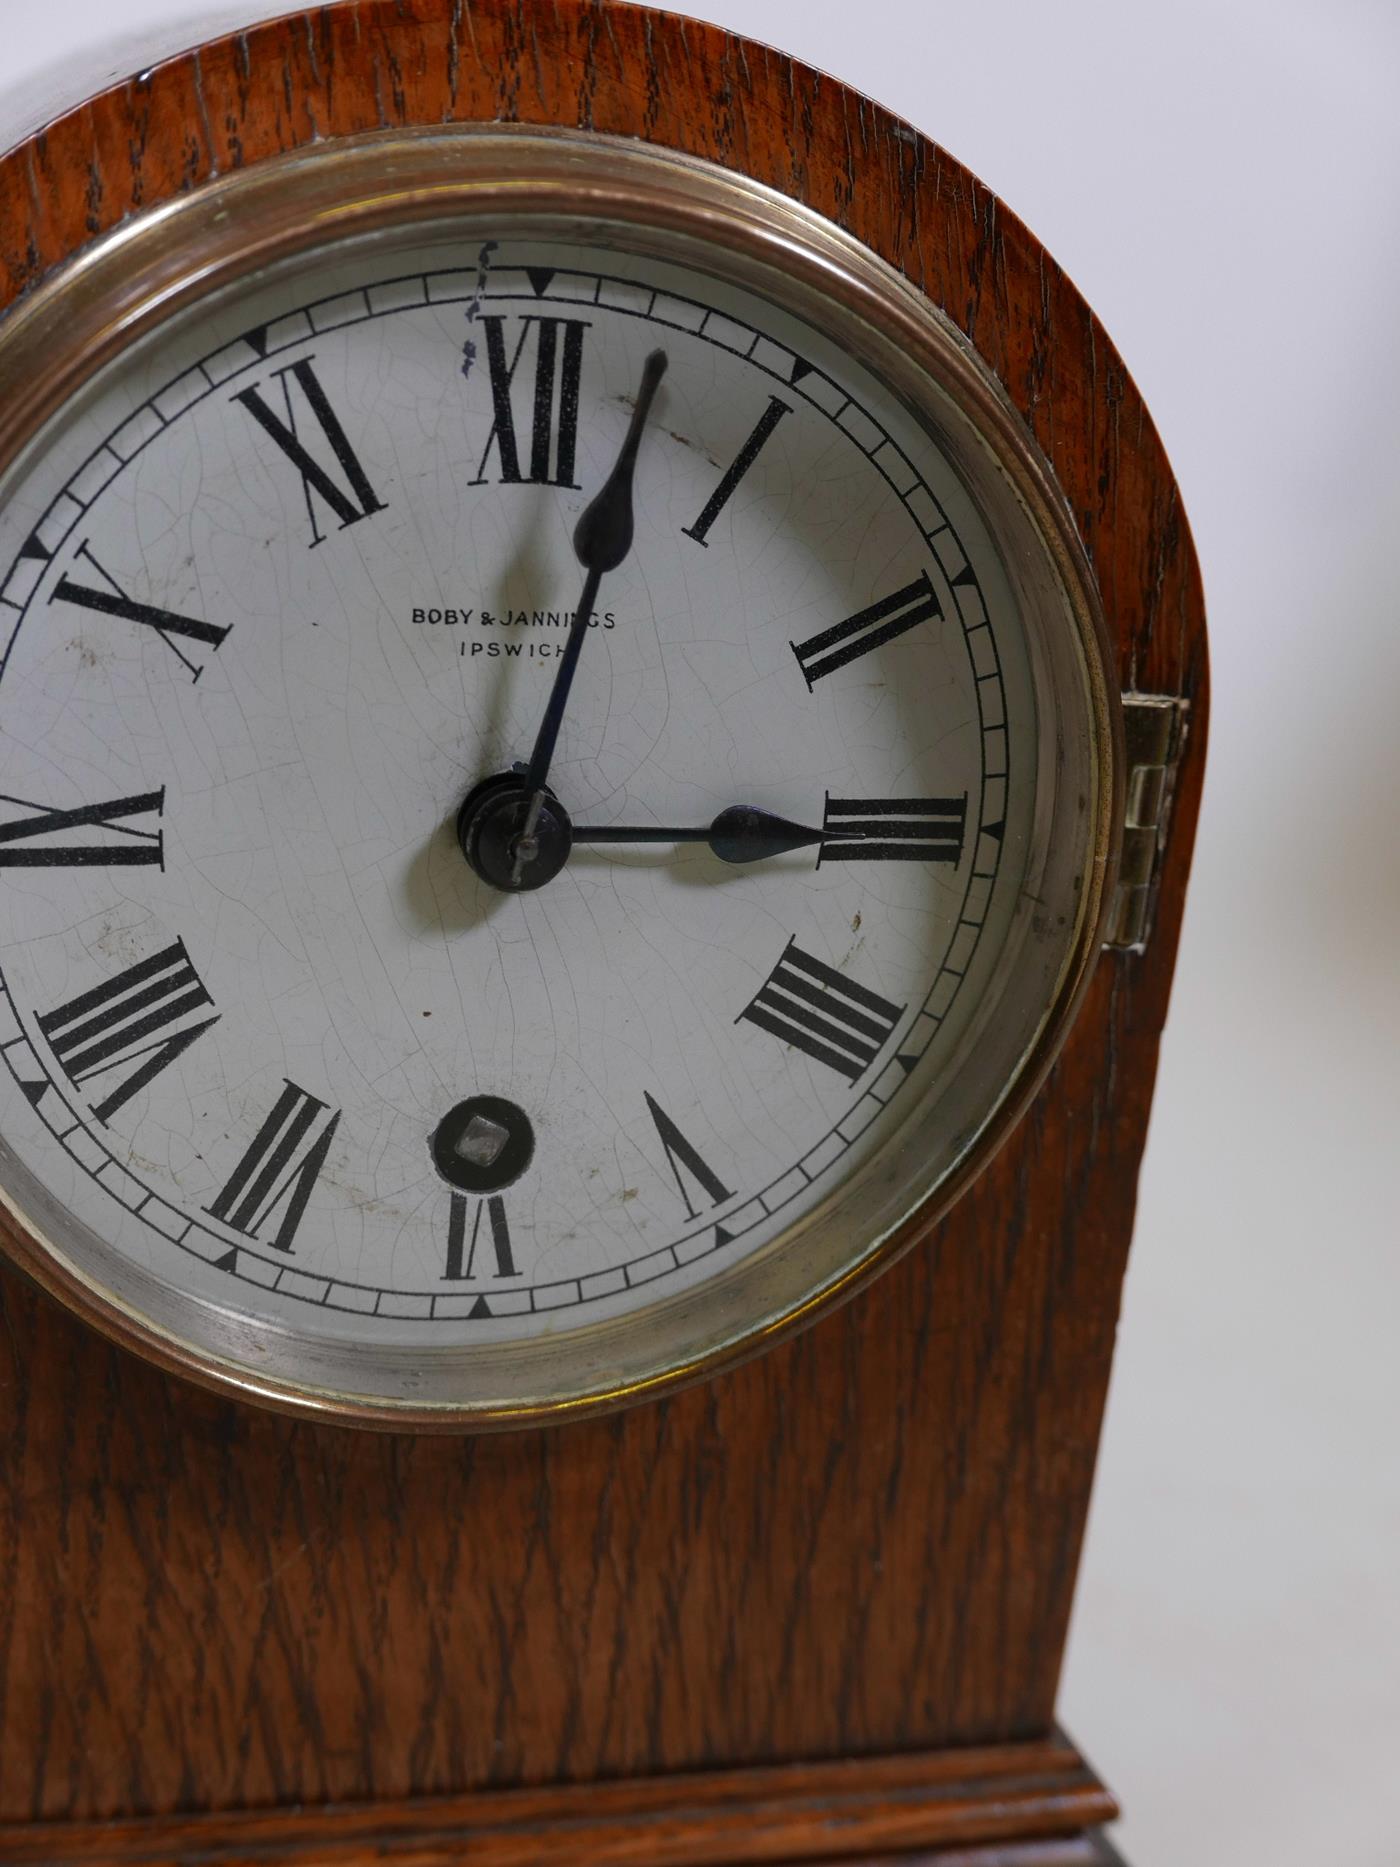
(893, 615)
(820, 1012)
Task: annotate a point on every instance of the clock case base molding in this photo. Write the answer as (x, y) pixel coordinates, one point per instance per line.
(1009, 1805)
(861, 1545)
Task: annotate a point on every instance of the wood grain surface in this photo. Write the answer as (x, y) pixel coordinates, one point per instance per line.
(862, 1544)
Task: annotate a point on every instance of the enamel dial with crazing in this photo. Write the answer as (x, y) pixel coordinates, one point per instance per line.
(288, 582)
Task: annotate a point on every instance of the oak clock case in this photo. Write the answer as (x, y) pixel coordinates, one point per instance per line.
(734, 1589)
(320, 1088)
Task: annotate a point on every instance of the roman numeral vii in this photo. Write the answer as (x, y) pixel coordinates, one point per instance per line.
(280, 1169)
(822, 1013)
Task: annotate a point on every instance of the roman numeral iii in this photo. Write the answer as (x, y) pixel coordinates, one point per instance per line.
(349, 495)
(894, 829)
(280, 1169)
(137, 1017)
(107, 598)
(859, 635)
(743, 460)
(23, 843)
(558, 354)
(820, 1012)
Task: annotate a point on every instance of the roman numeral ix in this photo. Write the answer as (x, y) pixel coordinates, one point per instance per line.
(820, 1012)
(836, 648)
(894, 829)
(743, 460)
(129, 1019)
(554, 408)
(280, 1169)
(350, 497)
(107, 598)
(131, 843)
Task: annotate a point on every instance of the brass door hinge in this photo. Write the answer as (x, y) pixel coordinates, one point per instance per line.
(1154, 726)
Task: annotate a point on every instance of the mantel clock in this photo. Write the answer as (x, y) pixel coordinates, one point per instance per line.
(603, 693)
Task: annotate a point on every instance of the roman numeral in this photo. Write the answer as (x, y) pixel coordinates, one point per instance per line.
(129, 1019)
(835, 648)
(743, 460)
(554, 417)
(279, 1170)
(114, 601)
(680, 1154)
(133, 845)
(817, 1010)
(894, 829)
(351, 498)
(461, 1252)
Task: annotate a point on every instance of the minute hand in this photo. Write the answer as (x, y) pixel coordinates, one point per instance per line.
(743, 833)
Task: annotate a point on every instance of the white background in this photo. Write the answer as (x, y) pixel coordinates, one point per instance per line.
(1222, 180)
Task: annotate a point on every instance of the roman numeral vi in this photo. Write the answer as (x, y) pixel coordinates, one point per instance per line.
(461, 1252)
(129, 1019)
(820, 1012)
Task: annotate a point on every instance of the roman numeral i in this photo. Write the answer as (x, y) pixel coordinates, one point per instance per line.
(136, 1017)
(349, 494)
(820, 1012)
(554, 403)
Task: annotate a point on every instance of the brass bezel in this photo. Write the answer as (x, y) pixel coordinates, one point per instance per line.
(575, 183)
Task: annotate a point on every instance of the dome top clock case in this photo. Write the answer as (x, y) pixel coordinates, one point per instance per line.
(602, 713)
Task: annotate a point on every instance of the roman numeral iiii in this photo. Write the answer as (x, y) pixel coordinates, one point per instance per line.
(820, 1012)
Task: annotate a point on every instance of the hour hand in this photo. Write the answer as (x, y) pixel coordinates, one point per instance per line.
(743, 833)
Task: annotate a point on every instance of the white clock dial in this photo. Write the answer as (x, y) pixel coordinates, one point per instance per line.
(295, 577)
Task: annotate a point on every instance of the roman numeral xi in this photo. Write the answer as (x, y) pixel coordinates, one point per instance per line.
(346, 490)
(124, 1032)
(822, 1013)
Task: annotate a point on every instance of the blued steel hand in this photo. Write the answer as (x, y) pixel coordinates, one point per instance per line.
(743, 833)
(602, 539)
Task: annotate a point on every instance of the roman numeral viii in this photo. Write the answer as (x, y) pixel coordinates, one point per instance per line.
(280, 1169)
(558, 352)
(138, 1017)
(820, 1012)
(836, 648)
(743, 460)
(107, 598)
(130, 843)
(347, 492)
(894, 829)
